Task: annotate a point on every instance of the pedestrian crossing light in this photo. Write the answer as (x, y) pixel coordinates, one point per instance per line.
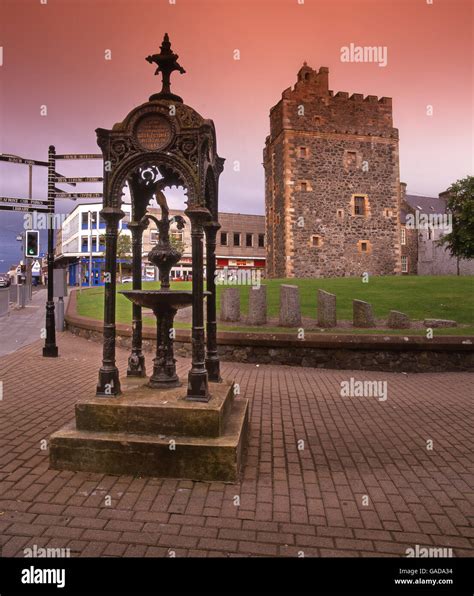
(32, 243)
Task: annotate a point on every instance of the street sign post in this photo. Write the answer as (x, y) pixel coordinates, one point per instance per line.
(31, 205)
(50, 349)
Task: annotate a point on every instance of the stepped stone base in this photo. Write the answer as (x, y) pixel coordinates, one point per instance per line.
(148, 432)
(141, 409)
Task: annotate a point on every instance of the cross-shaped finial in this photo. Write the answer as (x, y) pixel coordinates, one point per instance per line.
(167, 62)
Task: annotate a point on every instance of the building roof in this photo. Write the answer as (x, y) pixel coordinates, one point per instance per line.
(425, 204)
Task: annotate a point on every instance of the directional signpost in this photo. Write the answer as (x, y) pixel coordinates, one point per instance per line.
(28, 162)
(50, 349)
(90, 179)
(29, 205)
(78, 195)
(80, 156)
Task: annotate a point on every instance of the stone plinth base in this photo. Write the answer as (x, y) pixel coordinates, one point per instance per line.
(148, 432)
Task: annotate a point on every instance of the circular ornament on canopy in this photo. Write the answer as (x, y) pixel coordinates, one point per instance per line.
(153, 132)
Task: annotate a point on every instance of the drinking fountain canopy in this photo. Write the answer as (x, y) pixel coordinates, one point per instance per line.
(159, 144)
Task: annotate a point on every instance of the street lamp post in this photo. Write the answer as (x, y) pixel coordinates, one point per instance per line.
(89, 220)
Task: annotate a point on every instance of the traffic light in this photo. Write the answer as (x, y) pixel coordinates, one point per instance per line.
(32, 243)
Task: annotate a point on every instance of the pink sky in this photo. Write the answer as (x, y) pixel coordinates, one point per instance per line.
(54, 55)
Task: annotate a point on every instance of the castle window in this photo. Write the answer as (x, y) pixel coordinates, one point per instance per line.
(340, 214)
(359, 205)
(248, 240)
(351, 159)
(153, 237)
(277, 219)
(364, 246)
(403, 236)
(316, 241)
(224, 239)
(236, 238)
(404, 264)
(317, 119)
(387, 212)
(303, 152)
(430, 233)
(261, 240)
(304, 186)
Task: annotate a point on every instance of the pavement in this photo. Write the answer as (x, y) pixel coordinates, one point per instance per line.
(326, 475)
(22, 326)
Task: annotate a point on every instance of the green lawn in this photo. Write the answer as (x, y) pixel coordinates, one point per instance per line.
(441, 297)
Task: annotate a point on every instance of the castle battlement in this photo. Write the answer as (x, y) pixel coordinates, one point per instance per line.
(311, 105)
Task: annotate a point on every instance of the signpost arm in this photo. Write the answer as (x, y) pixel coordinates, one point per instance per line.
(50, 348)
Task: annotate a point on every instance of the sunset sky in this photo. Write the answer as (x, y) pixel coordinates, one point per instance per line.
(54, 55)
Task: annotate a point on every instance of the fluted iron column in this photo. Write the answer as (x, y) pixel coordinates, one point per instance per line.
(198, 389)
(136, 360)
(109, 382)
(212, 359)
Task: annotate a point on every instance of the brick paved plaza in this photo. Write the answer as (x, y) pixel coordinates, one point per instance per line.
(292, 501)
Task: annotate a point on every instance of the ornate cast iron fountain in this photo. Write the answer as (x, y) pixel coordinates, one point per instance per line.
(126, 428)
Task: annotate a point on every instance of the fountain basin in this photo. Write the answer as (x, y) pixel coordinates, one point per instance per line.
(156, 299)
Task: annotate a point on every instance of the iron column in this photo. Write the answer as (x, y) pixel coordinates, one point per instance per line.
(212, 359)
(198, 389)
(136, 360)
(50, 348)
(109, 382)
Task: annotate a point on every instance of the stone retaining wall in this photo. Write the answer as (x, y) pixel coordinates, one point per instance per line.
(353, 352)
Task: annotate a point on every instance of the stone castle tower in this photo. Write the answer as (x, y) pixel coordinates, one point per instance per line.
(332, 183)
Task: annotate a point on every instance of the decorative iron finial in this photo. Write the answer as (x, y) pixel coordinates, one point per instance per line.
(167, 62)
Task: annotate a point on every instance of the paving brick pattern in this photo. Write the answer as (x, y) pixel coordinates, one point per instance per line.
(325, 475)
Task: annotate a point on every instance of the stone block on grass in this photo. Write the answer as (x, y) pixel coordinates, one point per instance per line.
(326, 309)
(290, 309)
(363, 315)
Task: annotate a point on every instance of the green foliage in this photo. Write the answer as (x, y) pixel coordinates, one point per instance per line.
(177, 243)
(460, 203)
(124, 247)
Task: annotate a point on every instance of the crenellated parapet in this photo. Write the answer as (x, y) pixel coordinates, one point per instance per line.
(311, 106)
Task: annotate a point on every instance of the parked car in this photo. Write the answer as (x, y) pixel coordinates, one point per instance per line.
(5, 280)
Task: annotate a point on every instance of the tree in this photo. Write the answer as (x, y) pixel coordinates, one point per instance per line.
(177, 242)
(124, 249)
(460, 204)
